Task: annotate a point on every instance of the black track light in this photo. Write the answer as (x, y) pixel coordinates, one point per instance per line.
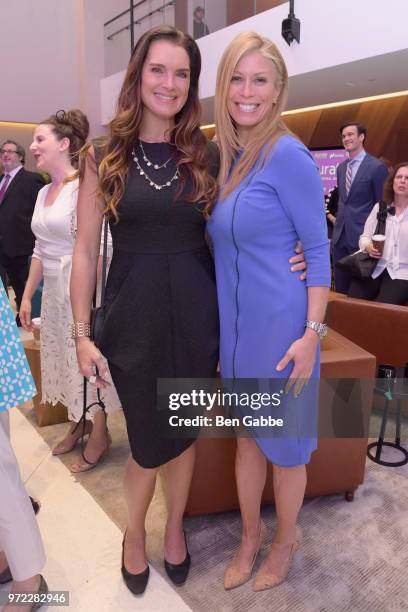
(291, 25)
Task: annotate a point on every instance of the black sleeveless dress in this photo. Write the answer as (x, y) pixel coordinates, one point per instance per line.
(161, 316)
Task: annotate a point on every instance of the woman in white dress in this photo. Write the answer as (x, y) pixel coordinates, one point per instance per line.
(56, 144)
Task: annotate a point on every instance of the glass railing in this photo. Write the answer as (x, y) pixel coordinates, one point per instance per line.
(197, 17)
(207, 16)
(123, 30)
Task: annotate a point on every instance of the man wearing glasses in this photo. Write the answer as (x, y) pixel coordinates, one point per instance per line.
(18, 194)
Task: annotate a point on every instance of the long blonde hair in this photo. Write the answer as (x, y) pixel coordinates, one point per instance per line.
(269, 129)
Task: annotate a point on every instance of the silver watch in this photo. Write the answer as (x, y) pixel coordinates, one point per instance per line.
(319, 328)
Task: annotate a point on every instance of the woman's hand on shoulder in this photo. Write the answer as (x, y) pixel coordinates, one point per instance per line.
(303, 354)
(90, 358)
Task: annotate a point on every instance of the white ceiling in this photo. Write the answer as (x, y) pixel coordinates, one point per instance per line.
(373, 76)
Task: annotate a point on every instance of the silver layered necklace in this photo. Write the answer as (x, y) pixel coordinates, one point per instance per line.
(154, 166)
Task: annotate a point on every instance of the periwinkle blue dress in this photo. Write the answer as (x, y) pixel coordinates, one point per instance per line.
(262, 304)
(16, 383)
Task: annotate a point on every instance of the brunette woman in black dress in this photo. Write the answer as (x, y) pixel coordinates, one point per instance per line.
(161, 309)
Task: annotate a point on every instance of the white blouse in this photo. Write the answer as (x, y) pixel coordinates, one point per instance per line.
(54, 226)
(395, 255)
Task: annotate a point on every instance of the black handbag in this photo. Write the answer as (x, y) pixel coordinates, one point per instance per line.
(360, 264)
(98, 312)
(96, 322)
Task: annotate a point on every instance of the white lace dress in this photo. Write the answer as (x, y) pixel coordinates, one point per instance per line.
(54, 229)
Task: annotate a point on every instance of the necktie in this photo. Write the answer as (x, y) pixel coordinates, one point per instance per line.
(349, 175)
(4, 187)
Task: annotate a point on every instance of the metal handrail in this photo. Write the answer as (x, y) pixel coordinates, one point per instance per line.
(124, 13)
(140, 19)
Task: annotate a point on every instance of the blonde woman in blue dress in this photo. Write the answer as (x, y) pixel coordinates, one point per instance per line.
(271, 196)
(56, 144)
(22, 554)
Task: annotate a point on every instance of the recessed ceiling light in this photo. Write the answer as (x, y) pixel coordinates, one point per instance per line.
(395, 94)
(350, 84)
(19, 123)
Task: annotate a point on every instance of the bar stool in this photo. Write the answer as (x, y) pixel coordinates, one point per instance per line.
(392, 389)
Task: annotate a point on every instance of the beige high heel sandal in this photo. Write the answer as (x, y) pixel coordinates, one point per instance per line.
(67, 444)
(86, 465)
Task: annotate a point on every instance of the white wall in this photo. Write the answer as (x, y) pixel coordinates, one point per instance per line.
(39, 61)
(53, 57)
(117, 50)
(332, 32)
(109, 91)
(92, 14)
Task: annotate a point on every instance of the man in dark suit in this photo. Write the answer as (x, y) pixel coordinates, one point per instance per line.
(360, 180)
(18, 194)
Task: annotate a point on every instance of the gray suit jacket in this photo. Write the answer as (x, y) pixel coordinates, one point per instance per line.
(354, 208)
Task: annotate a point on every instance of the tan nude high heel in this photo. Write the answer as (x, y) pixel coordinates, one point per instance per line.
(264, 580)
(233, 577)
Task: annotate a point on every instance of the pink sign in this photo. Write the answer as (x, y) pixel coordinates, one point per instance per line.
(327, 161)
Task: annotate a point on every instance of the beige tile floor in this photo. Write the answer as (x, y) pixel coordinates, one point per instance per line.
(83, 545)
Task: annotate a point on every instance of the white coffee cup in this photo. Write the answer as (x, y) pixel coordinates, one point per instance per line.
(378, 241)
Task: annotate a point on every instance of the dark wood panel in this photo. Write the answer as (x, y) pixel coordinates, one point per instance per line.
(386, 122)
(401, 147)
(327, 133)
(237, 10)
(303, 129)
(396, 146)
(265, 5)
(209, 132)
(379, 118)
(181, 15)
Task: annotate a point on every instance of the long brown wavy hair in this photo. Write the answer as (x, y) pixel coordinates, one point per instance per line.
(269, 129)
(192, 156)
